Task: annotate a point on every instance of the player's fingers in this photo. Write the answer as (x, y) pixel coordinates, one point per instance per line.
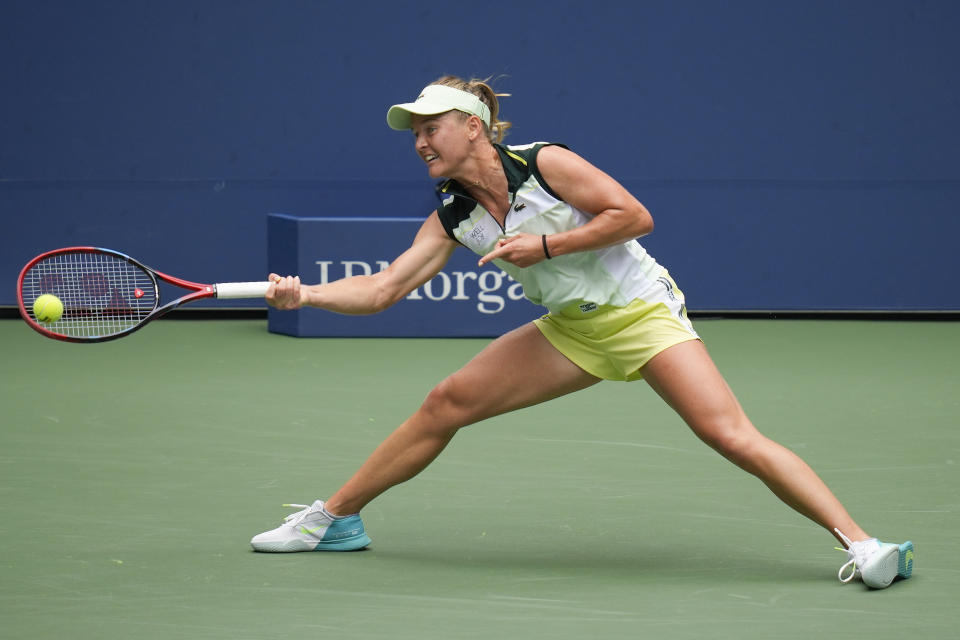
(291, 290)
(297, 300)
(490, 256)
(273, 279)
(498, 251)
(272, 289)
(284, 290)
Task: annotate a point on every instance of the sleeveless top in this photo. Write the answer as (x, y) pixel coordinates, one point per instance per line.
(612, 276)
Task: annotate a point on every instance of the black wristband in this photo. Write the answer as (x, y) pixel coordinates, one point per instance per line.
(546, 251)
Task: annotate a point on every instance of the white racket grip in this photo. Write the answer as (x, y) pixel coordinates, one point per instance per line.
(241, 289)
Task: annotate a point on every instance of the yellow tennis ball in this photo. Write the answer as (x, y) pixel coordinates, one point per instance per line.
(47, 308)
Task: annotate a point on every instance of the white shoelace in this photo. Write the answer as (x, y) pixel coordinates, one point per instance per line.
(294, 518)
(852, 554)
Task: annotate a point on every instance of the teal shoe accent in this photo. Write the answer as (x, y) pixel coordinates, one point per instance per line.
(345, 534)
(905, 563)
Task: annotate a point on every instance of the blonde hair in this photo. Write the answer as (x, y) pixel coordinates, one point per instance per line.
(498, 128)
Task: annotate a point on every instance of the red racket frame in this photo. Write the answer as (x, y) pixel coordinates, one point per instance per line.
(199, 292)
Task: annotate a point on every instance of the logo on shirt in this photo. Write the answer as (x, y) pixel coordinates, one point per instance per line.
(478, 235)
(520, 206)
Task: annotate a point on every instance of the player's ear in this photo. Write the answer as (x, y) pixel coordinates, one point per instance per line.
(474, 128)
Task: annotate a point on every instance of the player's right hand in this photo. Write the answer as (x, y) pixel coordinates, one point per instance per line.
(284, 292)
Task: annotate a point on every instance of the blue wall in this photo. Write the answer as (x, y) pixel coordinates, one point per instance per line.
(795, 155)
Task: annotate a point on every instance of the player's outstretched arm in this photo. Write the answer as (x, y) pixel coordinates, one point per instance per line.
(358, 295)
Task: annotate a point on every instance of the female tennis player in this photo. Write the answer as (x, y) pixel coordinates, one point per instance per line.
(567, 232)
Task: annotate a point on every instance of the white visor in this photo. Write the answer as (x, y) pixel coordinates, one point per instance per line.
(436, 99)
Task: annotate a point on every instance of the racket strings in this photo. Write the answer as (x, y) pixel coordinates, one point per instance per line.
(102, 294)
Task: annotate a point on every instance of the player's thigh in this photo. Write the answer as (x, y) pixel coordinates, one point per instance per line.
(686, 377)
(518, 369)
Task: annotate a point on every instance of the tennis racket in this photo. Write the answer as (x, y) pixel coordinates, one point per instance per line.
(107, 294)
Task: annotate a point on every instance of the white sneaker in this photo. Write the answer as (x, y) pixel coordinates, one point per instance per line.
(313, 529)
(877, 563)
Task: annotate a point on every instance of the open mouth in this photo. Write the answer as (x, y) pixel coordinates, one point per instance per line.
(430, 158)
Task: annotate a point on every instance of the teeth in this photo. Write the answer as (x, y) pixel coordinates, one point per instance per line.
(431, 157)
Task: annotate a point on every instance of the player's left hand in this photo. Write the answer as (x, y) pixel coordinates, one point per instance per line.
(523, 250)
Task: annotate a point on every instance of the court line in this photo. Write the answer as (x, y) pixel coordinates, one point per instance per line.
(614, 444)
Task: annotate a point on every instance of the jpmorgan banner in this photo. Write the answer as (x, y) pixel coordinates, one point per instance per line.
(463, 300)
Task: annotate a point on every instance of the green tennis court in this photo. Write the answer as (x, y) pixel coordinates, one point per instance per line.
(135, 472)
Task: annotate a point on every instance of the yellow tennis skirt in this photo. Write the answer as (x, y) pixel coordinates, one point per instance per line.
(613, 343)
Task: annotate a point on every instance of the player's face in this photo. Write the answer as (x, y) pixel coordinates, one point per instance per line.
(441, 142)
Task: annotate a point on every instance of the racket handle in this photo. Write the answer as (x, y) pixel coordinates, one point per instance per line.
(241, 289)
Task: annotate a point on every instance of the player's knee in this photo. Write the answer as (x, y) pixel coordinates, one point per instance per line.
(437, 401)
(449, 403)
(736, 440)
